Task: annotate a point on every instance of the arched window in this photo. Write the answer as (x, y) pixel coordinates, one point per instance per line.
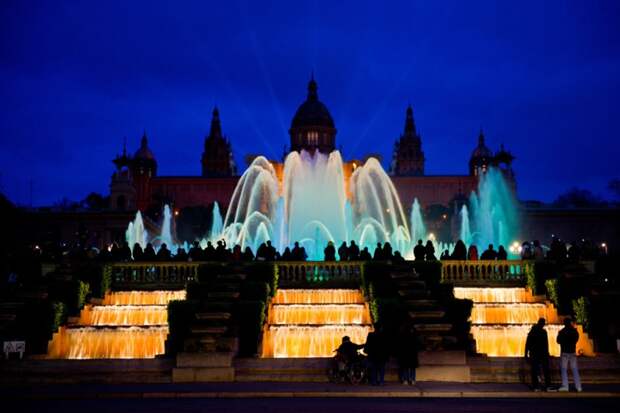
(313, 138)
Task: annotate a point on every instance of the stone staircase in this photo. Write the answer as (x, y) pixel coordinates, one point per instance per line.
(446, 366)
(213, 342)
(426, 312)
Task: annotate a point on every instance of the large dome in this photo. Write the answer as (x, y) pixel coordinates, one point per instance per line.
(144, 152)
(312, 112)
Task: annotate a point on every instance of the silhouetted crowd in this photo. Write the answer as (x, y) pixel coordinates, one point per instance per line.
(462, 253)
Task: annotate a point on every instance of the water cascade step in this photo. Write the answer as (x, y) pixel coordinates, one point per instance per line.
(124, 325)
(502, 317)
(311, 323)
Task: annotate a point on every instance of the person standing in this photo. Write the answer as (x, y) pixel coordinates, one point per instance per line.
(407, 354)
(537, 353)
(376, 350)
(567, 339)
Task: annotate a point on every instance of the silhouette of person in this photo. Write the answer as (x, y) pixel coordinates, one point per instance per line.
(419, 251)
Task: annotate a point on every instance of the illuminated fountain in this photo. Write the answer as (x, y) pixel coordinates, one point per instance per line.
(502, 317)
(365, 207)
(311, 323)
(128, 324)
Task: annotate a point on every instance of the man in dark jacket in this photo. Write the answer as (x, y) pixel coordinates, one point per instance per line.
(419, 251)
(567, 339)
(377, 352)
(537, 353)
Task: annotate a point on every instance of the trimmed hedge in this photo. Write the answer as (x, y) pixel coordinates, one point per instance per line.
(581, 309)
(181, 315)
(250, 319)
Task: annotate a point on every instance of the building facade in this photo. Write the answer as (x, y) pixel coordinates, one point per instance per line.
(136, 185)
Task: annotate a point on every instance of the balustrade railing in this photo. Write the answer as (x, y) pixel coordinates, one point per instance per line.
(482, 271)
(141, 273)
(291, 273)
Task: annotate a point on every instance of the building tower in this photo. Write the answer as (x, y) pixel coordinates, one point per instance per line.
(481, 158)
(217, 158)
(312, 127)
(408, 158)
(122, 191)
(143, 169)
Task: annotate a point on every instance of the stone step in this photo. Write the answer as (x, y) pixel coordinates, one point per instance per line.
(213, 316)
(231, 277)
(208, 329)
(224, 287)
(432, 327)
(410, 275)
(427, 314)
(218, 306)
(411, 284)
(413, 294)
(225, 294)
(422, 303)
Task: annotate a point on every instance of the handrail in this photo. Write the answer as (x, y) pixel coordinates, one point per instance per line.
(316, 272)
(157, 272)
(481, 271)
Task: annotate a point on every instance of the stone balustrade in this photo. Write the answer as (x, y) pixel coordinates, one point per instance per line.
(157, 273)
(291, 273)
(482, 271)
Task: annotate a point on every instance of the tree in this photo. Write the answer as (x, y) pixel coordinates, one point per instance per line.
(614, 187)
(579, 198)
(94, 202)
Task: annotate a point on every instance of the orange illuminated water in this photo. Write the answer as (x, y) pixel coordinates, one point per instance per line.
(318, 297)
(502, 317)
(319, 314)
(129, 324)
(160, 297)
(311, 323)
(124, 315)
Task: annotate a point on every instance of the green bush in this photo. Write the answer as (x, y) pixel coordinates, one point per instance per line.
(250, 316)
(255, 290)
(106, 281)
(58, 315)
(553, 292)
(181, 315)
(581, 309)
(83, 288)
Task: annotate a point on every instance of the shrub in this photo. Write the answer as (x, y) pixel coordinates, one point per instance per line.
(250, 316)
(581, 309)
(106, 281)
(181, 314)
(58, 315)
(255, 290)
(83, 289)
(553, 293)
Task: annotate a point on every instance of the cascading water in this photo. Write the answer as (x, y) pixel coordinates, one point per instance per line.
(502, 317)
(311, 323)
(128, 324)
(418, 230)
(465, 232)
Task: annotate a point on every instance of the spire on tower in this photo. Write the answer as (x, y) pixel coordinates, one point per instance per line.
(410, 123)
(216, 127)
(312, 88)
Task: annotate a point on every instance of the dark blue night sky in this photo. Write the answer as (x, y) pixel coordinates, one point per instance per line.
(542, 77)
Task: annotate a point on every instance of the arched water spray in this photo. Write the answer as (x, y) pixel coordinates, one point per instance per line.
(136, 233)
(418, 230)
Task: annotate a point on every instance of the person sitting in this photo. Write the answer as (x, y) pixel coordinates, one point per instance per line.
(261, 252)
(397, 257)
(445, 255)
(271, 251)
(419, 252)
(330, 252)
(539, 253)
(365, 255)
(348, 350)
(236, 253)
(489, 253)
(526, 251)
